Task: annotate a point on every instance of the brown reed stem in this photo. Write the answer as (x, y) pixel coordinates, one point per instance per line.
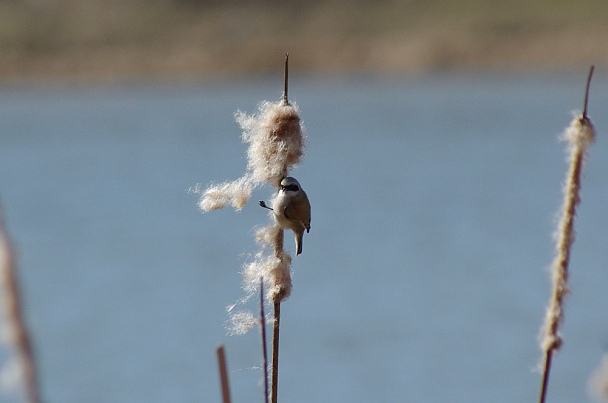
(264, 348)
(276, 324)
(280, 293)
(545, 381)
(275, 351)
(221, 359)
(16, 321)
(286, 79)
(587, 92)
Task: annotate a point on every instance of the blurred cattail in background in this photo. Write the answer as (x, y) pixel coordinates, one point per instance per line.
(20, 370)
(579, 135)
(598, 382)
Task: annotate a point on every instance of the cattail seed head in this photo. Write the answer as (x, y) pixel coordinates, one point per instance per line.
(266, 236)
(276, 140)
(280, 288)
(274, 267)
(580, 134)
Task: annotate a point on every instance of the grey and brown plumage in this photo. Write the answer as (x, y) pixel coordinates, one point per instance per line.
(291, 209)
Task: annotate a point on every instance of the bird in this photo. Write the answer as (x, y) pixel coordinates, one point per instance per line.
(291, 209)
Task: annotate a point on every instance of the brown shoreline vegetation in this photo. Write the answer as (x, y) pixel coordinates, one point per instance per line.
(184, 39)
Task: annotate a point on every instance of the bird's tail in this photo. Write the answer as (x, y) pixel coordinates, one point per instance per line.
(299, 236)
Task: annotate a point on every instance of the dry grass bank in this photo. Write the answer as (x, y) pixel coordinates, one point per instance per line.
(111, 39)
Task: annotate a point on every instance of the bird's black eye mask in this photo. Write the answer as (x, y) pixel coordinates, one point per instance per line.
(291, 187)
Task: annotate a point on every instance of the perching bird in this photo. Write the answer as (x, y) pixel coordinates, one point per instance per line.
(291, 209)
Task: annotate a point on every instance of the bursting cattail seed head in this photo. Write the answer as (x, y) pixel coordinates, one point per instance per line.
(276, 140)
(580, 135)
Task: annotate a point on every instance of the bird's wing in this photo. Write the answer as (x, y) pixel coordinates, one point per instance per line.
(299, 210)
(290, 212)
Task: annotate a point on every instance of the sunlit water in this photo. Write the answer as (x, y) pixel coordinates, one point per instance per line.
(423, 278)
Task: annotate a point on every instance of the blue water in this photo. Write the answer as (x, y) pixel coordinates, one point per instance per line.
(424, 277)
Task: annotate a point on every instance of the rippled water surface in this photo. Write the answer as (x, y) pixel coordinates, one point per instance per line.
(423, 278)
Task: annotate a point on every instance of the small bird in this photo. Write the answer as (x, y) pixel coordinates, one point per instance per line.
(291, 209)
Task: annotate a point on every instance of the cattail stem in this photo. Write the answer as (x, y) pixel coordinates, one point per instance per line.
(278, 242)
(221, 359)
(282, 292)
(587, 92)
(264, 348)
(275, 351)
(286, 80)
(16, 322)
(276, 140)
(545, 380)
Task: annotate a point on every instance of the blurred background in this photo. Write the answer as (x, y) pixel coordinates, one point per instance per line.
(112, 39)
(433, 167)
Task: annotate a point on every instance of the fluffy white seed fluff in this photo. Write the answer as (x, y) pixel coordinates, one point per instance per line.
(580, 135)
(219, 196)
(241, 322)
(266, 236)
(276, 140)
(272, 265)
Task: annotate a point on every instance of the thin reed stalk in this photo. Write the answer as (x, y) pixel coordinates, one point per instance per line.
(580, 135)
(264, 348)
(286, 80)
(545, 377)
(282, 293)
(275, 351)
(223, 368)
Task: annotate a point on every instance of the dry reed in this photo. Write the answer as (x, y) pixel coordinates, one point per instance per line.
(263, 334)
(223, 369)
